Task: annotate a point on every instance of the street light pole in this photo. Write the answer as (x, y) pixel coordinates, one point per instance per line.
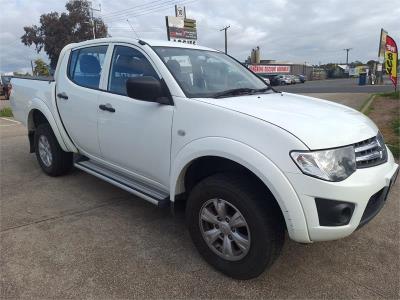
(226, 37)
(347, 55)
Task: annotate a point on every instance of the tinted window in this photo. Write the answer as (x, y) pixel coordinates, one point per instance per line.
(127, 63)
(203, 73)
(85, 66)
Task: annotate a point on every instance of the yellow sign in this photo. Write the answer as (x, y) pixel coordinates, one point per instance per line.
(391, 55)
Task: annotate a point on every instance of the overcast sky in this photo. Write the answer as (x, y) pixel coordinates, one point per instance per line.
(311, 31)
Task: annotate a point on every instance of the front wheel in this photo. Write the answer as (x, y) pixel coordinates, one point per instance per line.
(52, 159)
(235, 225)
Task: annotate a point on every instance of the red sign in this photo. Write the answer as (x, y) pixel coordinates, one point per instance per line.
(391, 54)
(269, 69)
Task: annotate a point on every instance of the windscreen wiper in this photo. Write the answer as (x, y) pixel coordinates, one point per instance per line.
(242, 91)
(233, 92)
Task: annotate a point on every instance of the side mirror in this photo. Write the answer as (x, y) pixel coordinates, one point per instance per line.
(147, 88)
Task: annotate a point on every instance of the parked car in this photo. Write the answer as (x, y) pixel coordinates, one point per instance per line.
(6, 85)
(297, 79)
(248, 162)
(273, 79)
(265, 77)
(292, 79)
(283, 79)
(302, 78)
(1, 87)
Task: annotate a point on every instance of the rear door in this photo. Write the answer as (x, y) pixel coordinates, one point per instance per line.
(78, 96)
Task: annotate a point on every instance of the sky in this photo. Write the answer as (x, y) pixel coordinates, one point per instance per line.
(312, 31)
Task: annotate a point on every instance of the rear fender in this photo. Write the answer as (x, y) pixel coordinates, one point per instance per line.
(38, 104)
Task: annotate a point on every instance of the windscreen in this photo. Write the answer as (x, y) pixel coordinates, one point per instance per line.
(202, 73)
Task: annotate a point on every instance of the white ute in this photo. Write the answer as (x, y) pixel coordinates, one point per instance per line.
(173, 122)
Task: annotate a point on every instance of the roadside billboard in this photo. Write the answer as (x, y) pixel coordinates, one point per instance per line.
(269, 69)
(181, 29)
(391, 55)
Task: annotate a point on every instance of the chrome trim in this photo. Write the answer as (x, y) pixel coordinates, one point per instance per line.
(374, 144)
(370, 156)
(370, 152)
(135, 188)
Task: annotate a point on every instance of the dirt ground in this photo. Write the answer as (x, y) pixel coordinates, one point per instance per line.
(384, 112)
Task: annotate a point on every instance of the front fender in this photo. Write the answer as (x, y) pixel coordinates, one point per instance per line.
(40, 105)
(254, 161)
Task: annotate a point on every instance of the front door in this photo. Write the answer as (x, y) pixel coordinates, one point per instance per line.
(134, 135)
(77, 94)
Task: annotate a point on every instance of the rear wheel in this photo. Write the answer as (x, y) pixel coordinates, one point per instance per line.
(234, 225)
(52, 159)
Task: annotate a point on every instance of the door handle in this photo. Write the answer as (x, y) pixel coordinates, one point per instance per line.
(107, 107)
(62, 95)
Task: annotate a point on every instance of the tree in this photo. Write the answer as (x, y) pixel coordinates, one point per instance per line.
(372, 65)
(356, 63)
(40, 68)
(57, 30)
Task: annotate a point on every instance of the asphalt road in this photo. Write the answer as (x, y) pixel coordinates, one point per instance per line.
(79, 237)
(349, 85)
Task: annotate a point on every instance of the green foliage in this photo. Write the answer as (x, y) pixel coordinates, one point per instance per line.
(395, 150)
(40, 68)
(57, 30)
(6, 112)
(21, 74)
(392, 95)
(356, 63)
(333, 70)
(396, 126)
(396, 147)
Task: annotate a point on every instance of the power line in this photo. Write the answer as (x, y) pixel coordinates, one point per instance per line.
(140, 9)
(117, 12)
(127, 20)
(149, 8)
(145, 11)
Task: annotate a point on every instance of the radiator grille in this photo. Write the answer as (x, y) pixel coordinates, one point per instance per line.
(370, 152)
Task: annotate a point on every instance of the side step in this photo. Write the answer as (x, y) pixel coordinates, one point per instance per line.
(156, 197)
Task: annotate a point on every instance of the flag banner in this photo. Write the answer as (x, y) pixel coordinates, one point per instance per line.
(382, 43)
(391, 55)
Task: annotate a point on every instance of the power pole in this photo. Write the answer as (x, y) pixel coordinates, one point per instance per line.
(33, 74)
(347, 55)
(92, 19)
(226, 37)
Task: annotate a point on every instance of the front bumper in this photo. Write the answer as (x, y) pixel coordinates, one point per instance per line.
(365, 191)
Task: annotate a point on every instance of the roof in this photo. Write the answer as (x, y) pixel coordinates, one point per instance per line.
(135, 41)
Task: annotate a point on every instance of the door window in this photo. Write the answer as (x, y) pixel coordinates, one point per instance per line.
(85, 66)
(127, 63)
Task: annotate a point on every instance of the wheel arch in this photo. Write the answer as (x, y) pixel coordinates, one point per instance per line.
(39, 113)
(255, 163)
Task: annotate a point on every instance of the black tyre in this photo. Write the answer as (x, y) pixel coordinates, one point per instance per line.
(235, 225)
(52, 159)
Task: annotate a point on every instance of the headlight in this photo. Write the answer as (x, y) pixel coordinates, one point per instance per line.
(332, 165)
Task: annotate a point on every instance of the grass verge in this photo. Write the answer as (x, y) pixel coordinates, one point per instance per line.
(391, 95)
(384, 111)
(6, 112)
